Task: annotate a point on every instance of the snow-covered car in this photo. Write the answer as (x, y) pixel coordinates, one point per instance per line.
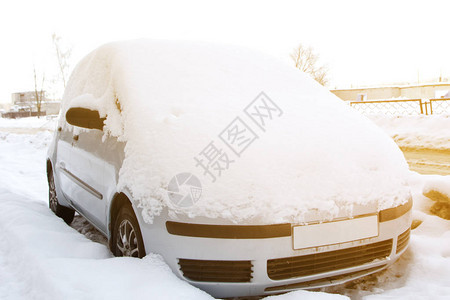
(247, 176)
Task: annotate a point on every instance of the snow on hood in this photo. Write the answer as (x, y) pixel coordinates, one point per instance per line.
(178, 104)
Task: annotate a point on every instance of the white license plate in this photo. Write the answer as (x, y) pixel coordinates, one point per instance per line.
(315, 235)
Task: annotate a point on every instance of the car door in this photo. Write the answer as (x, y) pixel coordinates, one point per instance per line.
(82, 167)
(64, 152)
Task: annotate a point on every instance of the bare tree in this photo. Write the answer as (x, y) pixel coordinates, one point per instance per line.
(307, 61)
(39, 94)
(63, 56)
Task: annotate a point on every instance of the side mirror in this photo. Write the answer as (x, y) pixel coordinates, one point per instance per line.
(83, 117)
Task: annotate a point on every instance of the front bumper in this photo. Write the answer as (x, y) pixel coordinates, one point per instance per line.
(253, 259)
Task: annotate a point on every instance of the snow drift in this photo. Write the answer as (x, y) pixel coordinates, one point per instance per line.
(420, 132)
(171, 100)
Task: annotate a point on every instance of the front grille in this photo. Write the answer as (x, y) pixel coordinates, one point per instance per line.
(403, 240)
(291, 267)
(216, 270)
(325, 281)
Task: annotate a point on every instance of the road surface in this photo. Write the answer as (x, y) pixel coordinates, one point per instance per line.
(428, 161)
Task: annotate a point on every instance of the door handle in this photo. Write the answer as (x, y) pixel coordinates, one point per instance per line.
(76, 137)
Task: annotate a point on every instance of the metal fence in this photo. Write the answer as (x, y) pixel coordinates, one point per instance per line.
(440, 106)
(403, 107)
(390, 107)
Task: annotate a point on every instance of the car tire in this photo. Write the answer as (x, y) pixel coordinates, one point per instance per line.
(126, 236)
(65, 213)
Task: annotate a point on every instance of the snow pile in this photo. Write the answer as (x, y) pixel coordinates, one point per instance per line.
(13, 168)
(43, 258)
(173, 103)
(423, 271)
(438, 185)
(40, 140)
(306, 295)
(438, 190)
(44, 123)
(421, 131)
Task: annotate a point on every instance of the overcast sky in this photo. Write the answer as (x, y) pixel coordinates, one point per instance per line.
(362, 42)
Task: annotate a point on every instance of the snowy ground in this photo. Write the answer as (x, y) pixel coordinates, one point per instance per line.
(418, 132)
(428, 161)
(43, 258)
(424, 140)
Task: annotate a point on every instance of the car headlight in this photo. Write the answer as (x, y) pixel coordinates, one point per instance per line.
(395, 212)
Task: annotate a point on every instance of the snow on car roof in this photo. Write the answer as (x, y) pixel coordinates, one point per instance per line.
(250, 138)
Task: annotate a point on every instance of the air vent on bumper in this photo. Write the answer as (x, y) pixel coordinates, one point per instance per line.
(216, 270)
(297, 266)
(403, 240)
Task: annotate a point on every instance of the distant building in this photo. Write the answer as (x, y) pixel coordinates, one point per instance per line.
(418, 91)
(26, 102)
(27, 97)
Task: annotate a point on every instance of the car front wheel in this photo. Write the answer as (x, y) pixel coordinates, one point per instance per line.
(127, 238)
